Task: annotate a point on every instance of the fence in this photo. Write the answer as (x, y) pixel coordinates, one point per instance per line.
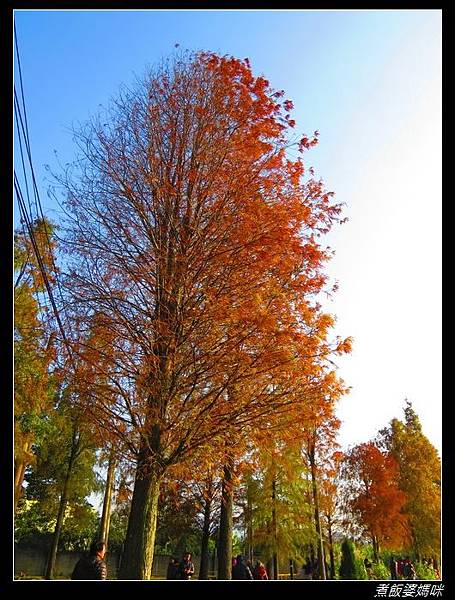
(32, 563)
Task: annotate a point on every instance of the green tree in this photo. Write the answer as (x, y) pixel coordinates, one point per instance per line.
(281, 505)
(419, 477)
(64, 473)
(349, 568)
(33, 347)
(121, 509)
(177, 527)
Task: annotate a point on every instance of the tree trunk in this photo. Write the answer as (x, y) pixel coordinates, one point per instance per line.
(415, 544)
(375, 545)
(106, 514)
(332, 557)
(19, 472)
(312, 558)
(18, 480)
(317, 518)
(249, 526)
(225, 539)
(137, 559)
(269, 567)
(274, 531)
(75, 448)
(204, 568)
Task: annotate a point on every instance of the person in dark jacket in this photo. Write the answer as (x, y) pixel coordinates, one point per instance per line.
(173, 569)
(408, 569)
(186, 567)
(92, 566)
(393, 568)
(240, 569)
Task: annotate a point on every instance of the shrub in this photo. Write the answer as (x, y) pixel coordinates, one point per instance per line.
(348, 567)
(424, 571)
(380, 571)
(361, 572)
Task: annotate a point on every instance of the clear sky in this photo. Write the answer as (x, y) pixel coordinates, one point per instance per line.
(370, 82)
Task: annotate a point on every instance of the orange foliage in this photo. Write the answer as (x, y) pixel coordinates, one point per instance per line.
(375, 500)
(196, 239)
(207, 260)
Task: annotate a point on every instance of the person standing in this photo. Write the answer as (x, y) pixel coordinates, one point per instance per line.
(408, 569)
(393, 568)
(368, 564)
(260, 572)
(186, 567)
(92, 566)
(241, 570)
(173, 569)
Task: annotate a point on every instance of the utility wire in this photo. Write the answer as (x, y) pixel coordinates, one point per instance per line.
(20, 79)
(35, 186)
(29, 154)
(28, 219)
(29, 226)
(19, 137)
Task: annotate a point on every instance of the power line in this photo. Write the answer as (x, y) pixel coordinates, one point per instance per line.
(22, 155)
(29, 154)
(29, 225)
(28, 218)
(20, 79)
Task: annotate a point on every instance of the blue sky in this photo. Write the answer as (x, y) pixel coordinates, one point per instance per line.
(370, 82)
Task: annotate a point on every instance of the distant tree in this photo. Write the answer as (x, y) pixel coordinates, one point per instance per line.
(419, 477)
(281, 504)
(63, 475)
(329, 502)
(104, 527)
(177, 527)
(34, 349)
(348, 565)
(35, 526)
(57, 487)
(208, 493)
(121, 507)
(372, 496)
(318, 445)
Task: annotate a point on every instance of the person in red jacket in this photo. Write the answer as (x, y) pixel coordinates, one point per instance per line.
(260, 572)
